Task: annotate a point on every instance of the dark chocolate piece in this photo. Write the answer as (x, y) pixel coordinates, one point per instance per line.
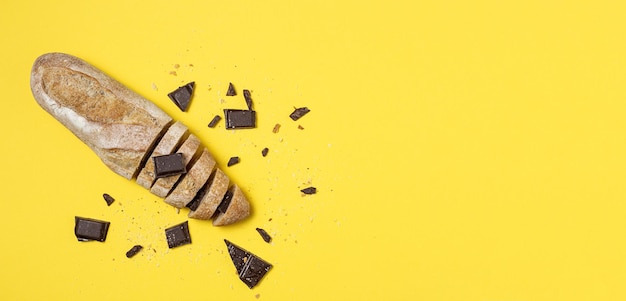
(240, 119)
(109, 199)
(298, 113)
(214, 121)
(264, 152)
(250, 267)
(193, 205)
(231, 90)
(248, 97)
(266, 237)
(228, 196)
(309, 190)
(232, 161)
(133, 251)
(182, 96)
(169, 165)
(178, 235)
(87, 229)
(276, 128)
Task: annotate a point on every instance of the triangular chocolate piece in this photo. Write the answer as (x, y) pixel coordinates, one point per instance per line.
(231, 90)
(250, 267)
(238, 255)
(182, 96)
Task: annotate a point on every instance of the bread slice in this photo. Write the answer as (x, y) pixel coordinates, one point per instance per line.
(190, 184)
(211, 196)
(170, 141)
(190, 147)
(238, 209)
(116, 123)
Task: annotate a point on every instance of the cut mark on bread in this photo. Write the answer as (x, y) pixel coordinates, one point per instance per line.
(150, 149)
(191, 150)
(195, 178)
(171, 141)
(208, 199)
(236, 208)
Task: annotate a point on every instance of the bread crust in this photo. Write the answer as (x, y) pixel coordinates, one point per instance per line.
(212, 196)
(166, 146)
(192, 181)
(238, 209)
(119, 125)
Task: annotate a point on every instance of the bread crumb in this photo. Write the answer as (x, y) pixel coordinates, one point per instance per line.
(173, 73)
(276, 128)
(176, 66)
(154, 87)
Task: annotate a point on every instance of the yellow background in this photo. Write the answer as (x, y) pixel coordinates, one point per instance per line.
(462, 150)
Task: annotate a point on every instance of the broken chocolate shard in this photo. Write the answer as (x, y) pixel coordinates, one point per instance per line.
(193, 205)
(169, 165)
(240, 119)
(232, 161)
(309, 190)
(266, 237)
(251, 268)
(214, 121)
(228, 196)
(109, 199)
(133, 251)
(265, 151)
(298, 113)
(248, 97)
(182, 96)
(87, 229)
(231, 90)
(178, 235)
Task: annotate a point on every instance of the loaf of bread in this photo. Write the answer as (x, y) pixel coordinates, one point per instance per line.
(125, 130)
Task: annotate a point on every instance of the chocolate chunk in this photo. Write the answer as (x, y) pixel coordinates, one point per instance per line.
(232, 161)
(300, 127)
(133, 251)
(214, 121)
(248, 97)
(266, 237)
(178, 235)
(298, 113)
(169, 165)
(182, 96)
(228, 196)
(87, 229)
(251, 268)
(276, 128)
(193, 205)
(264, 152)
(231, 90)
(109, 199)
(309, 190)
(240, 119)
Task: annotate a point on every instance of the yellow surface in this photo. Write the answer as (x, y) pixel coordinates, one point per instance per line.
(462, 150)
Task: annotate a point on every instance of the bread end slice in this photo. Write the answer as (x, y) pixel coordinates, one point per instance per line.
(238, 209)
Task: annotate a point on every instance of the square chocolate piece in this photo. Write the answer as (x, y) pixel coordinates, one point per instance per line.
(87, 229)
(169, 165)
(178, 235)
(240, 119)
